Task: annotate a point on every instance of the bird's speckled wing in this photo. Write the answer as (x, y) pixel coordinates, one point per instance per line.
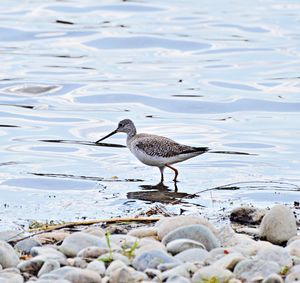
(163, 147)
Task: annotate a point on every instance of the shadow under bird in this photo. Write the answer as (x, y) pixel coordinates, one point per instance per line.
(155, 150)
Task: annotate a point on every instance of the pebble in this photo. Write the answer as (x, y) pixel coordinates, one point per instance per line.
(192, 255)
(294, 248)
(142, 232)
(97, 266)
(183, 270)
(74, 275)
(178, 279)
(151, 259)
(218, 274)
(114, 256)
(278, 225)
(10, 235)
(78, 241)
(229, 261)
(114, 265)
(123, 241)
(31, 266)
(45, 253)
(10, 276)
(94, 252)
(52, 237)
(277, 254)
(26, 245)
(96, 231)
(255, 269)
(180, 245)
(197, 232)
(293, 277)
(9, 257)
(126, 274)
(168, 224)
(48, 266)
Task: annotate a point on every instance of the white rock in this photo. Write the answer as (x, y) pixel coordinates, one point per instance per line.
(8, 256)
(180, 245)
(96, 231)
(142, 232)
(192, 255)
(278, 225)
(273, 278)
(97, 266)
(10, 276)
(229, 261)
(124, 241)
(294, 248)
(48, 266)
(277, 254)
(168, 224)
(251, 269)
(183, 270)
(293, 277)
(116, 264)
(220, 275)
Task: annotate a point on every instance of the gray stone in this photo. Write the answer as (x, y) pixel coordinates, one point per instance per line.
(48, 266)
(126, 275)
(52, 237)
(142, 232)
(116, 264)
(96, 231)
(151, 259)
(183, 270)
(273, 278)
(229, 261)
(180, 245)
(74, 275)
(278, 225)
(192, 255)
(9, 257)
(277, 254)
(293, 277)
(78, 241)
(154, 274)
(167, 266)
(45, 253)
(123, 241)
(26, 245)
(219, 275)
(97, 266)
(10, 276)
(168, 224)
(94, 252)
(251, 269)
(40, 280)
(197, 232)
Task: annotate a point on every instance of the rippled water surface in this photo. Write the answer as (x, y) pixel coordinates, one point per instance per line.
(205, 73)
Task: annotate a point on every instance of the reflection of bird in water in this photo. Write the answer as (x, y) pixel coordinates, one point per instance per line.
(155, 150)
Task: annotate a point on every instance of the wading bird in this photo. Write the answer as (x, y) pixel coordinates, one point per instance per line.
(155, 150)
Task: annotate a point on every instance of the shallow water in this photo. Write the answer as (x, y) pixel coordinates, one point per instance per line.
(222, 75)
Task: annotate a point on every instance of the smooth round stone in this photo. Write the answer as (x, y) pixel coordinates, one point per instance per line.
(26, 245)
(78, 241)
(124, 241)
(178, 279)
(181, 245)
(168, 224)
(147, 244)
(277, 254)
(97, 266)
(51, 237)
(278, 225)
(220, 275)
(94, 252)
(255, 269)
(153, 274)
(273, 278)
(74, 275)
(197, 232)
(192, 255)
(114, 265)
(183, 270)
(9, 257)
(47, 253)
(10, 277)
(126, 274)
(96, 231)
(142, 232)
(294, 248)
(40, 280)
(293, 277)
(229, 261)
(151, 259)
(48, 266)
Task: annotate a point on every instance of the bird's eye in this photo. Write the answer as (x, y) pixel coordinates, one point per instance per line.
(121, 125)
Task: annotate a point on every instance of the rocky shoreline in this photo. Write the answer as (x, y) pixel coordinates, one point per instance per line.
(175, 249)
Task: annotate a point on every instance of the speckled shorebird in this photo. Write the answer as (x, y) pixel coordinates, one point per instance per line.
(155, 150)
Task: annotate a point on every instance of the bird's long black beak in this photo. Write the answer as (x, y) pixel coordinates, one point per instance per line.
(112, 133)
